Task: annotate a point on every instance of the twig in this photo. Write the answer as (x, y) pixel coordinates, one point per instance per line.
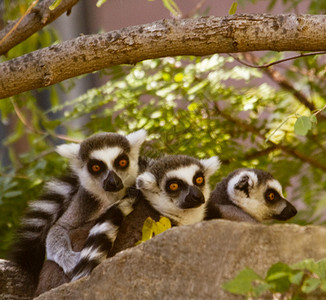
(22, 118)
(285, 149)
(19, 21)
(275, 62)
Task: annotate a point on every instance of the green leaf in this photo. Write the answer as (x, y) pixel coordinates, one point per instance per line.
(242, 283)
(172, 7)
(278, 276)
(302, 125)
(296, 278)
(55, 4)
(99, 3)
(310, 284)
(233, 8)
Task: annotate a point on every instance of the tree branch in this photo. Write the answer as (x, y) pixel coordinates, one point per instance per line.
(203, 36)
(38, 17)
(292, 152)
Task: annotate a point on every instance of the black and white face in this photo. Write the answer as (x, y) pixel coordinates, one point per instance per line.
(177, 187)
(106, 163)
(260, 195)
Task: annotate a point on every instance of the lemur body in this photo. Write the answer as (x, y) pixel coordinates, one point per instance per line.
(176, 186)
(104, 166)
(249, 195)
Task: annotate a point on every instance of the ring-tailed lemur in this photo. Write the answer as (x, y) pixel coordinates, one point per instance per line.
(249, 195)
(176, 186)
(103, 166)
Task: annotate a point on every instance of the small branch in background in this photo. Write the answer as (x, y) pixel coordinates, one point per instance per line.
(283, 82)
(18, 22)
(285, 149)
(37, 16)
(29, 126)
(199, 5)
(275, 62)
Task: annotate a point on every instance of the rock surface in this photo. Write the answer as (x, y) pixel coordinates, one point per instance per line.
(191, 262)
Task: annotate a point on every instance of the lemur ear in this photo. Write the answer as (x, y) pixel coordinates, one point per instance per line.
(136, 139)
(69, 151)
(211, 165)
(146, 181)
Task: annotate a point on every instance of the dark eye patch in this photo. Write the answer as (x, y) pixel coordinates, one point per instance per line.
(96, 167)
(272, 196)
(121, 162)
(174, 185)
(198, 179)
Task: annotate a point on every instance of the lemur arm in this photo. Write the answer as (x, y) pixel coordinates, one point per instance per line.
(102, 236)
(228, 212)
(58, 248)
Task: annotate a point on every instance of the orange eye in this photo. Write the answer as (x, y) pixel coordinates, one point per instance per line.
(271, 196)
(123, 163)
(96, 168)
(173, 186)
(199, 180)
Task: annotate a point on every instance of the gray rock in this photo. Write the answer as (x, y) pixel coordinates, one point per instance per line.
(191, 262)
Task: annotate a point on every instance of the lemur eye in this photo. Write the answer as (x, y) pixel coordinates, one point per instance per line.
(123, 163)
(96, 168)
(271, 196)
(173, 186)
(199, 180)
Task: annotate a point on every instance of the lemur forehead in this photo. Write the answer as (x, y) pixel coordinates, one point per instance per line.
(184, 173)
(107, 155)
(101, 141)
(253, 178)
(274, 184)
(173, 162)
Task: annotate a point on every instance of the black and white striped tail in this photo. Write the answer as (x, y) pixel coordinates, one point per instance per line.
(102, 236)
(28, 249)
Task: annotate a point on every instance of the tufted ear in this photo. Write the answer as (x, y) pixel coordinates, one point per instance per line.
(70, 151)
(136, 139)
(211, 165)
(146, 181)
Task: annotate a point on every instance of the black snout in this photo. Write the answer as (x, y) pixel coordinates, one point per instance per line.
(112, 183)
(288, 212)
(194, 198)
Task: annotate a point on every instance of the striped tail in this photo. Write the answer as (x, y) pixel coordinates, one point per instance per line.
(102, 236)
(28, 249)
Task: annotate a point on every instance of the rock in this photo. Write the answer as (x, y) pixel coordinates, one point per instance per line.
(191, 262)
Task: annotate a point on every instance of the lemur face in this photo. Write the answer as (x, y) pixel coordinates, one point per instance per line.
(105, 162)
(259, 194)
(177, 186)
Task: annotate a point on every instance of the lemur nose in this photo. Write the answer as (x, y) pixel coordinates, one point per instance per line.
(194, 197)
(112, 182)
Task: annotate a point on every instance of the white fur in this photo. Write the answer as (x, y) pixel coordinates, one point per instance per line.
(107, 228)
(36, 222)
(211, 165)
(184, 173)
(137, 138)
(146, 181)
(59, 187)
(69, 151)
(45, 206)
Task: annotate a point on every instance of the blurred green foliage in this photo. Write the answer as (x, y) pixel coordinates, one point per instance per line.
(189, 105)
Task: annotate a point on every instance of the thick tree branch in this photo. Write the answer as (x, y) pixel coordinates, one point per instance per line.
(203, 36)
(39, 17)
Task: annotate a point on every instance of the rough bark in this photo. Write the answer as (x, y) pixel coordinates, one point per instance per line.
(39, 17)
(203, 36)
